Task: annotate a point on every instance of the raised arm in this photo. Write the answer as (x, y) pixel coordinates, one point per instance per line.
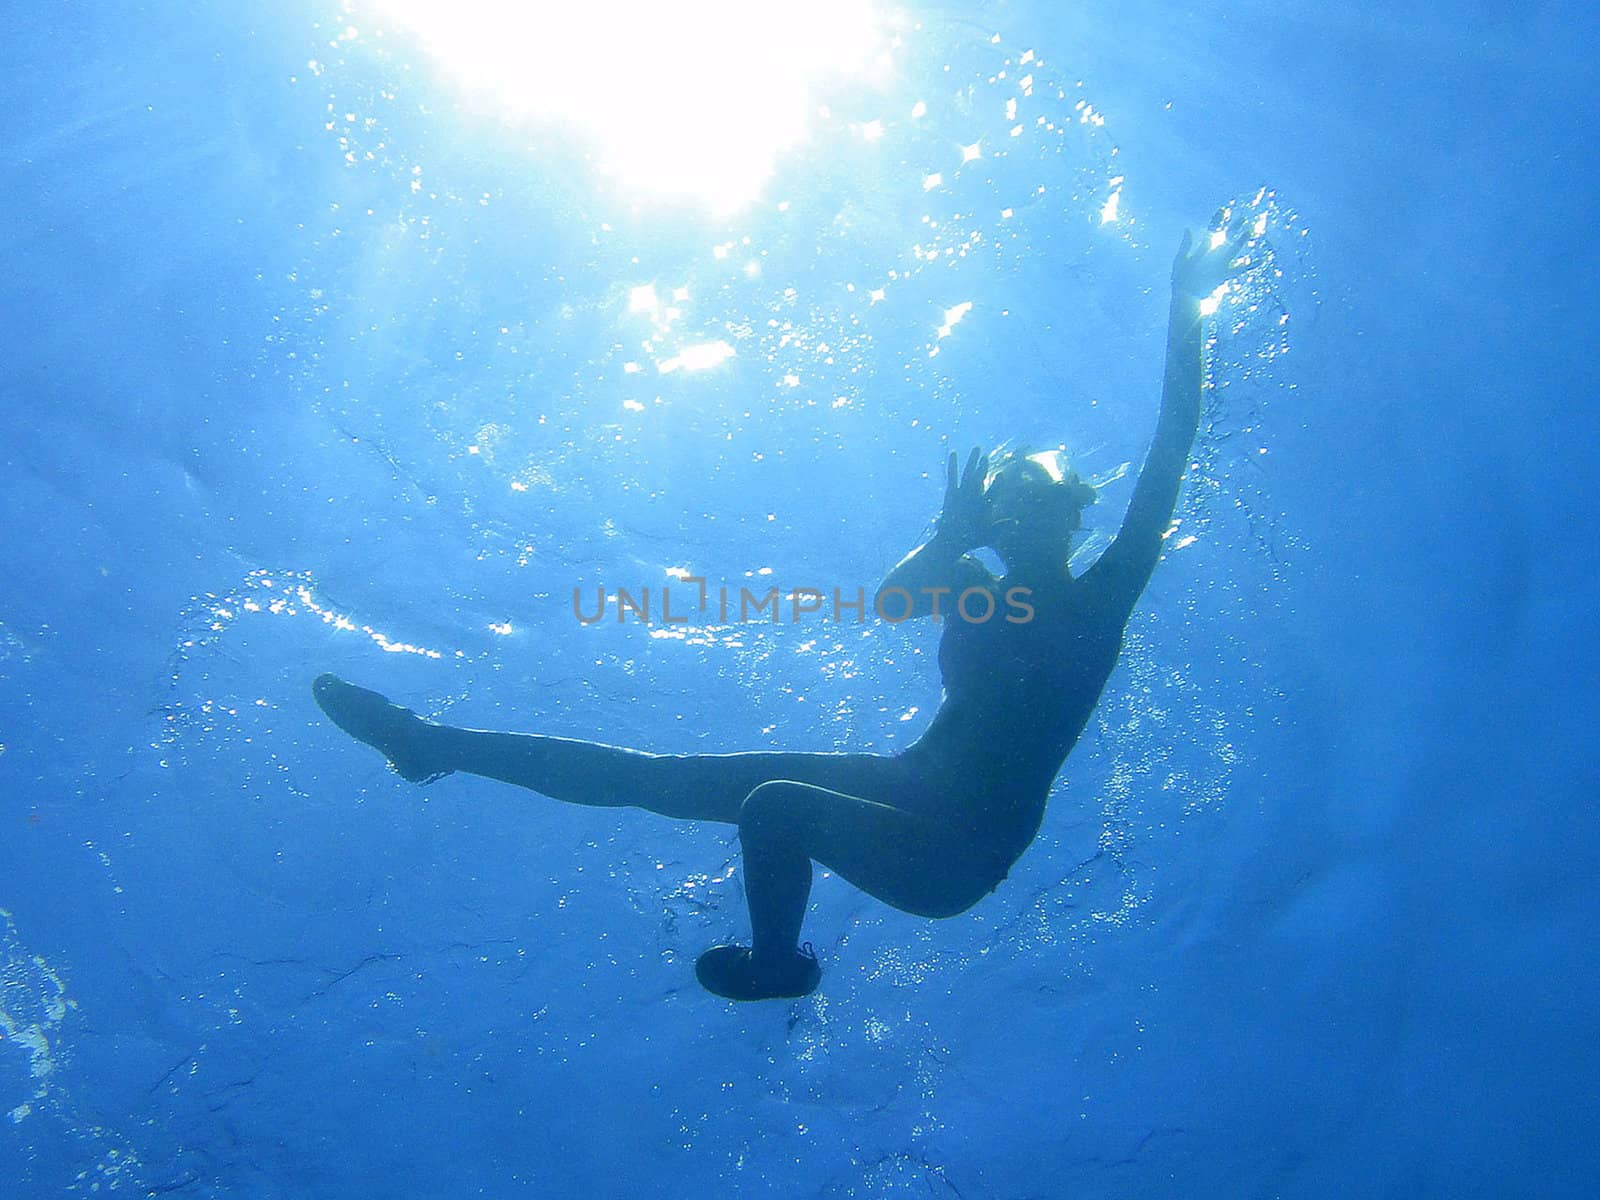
(1197, 272)
(943, 561)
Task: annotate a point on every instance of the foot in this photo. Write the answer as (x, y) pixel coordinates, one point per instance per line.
(368, 717)
(732, 971)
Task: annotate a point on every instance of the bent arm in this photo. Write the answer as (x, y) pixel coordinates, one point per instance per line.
(937, 571)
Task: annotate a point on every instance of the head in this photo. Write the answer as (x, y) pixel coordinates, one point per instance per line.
(1036, 502)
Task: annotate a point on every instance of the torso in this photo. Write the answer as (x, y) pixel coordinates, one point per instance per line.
(1017, 697)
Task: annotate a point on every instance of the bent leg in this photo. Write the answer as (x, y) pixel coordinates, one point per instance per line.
(916, 863)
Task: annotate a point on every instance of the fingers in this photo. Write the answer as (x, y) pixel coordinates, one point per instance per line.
(1206, 263)
(958, 478)
(1236, 246)
(1236, 229)
(973, 462)
(1238, 234)
(1232, 223)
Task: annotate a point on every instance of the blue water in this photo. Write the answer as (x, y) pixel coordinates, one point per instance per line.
(1311, 911)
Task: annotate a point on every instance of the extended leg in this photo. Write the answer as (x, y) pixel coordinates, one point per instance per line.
(703, 787)
(696, 787)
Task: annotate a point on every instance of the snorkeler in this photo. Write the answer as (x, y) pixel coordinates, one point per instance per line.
(935, 828)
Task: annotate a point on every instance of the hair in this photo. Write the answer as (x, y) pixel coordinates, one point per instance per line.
(1050, 464)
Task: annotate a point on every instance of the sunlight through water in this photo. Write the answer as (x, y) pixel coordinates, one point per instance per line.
(677, 101)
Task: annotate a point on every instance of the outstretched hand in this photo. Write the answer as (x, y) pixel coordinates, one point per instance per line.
(1199, 270)
(965, 519)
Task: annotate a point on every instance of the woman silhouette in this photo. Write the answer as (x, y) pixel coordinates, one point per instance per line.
(935, 828)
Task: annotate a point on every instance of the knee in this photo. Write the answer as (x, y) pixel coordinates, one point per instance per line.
(770, 809)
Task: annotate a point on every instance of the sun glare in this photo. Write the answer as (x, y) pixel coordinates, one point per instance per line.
(679, 100)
